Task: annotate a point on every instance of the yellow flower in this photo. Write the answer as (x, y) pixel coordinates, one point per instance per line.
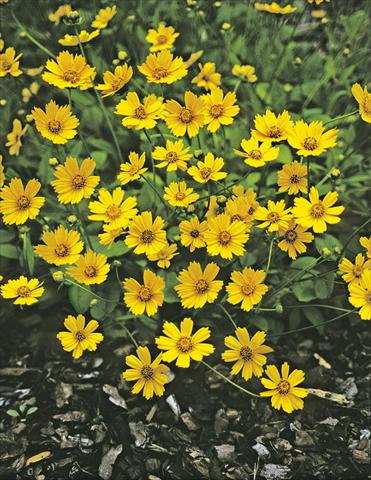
(294, 238)
(283, 388)
(239, 209)
(83, 37)
(248, 353)
(79, 337)
(57, 124)
(25, 292)
(112, 208)
(193, 58)
(140, 115)
(133, 169)
(366, 243)
(74, 182)
(145, 234)
(316, 213)
(318, 2)
(249, 197)
(144, 298)
(207, 170)
(309, 139)
(28, 92)
(225, 237)
(247, 288)
(173, 156)
(19, 203)
(274, 8)
(188, 118)
(271, 127)
(208, 78)
(91, 268)
(15, 137)
(360, 295)
(364, 100)
(274, 216)
(245, 72)
(197, 287)
(179, 195)
(192, 233)
(163, 38)
(9, 63)
(257, 155)
(163, 256)
(61, 247)
(113, 82)
(69, 71)
(162, 67)
(182, 344)
(353, 272)
(103, 17)
(109, 235)
(149, 376)
(219, 109)
(61, 11)
(291, 178)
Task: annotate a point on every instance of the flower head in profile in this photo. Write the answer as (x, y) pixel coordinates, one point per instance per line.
(18, 203)
(56, 123)
(366, 243)
(113, 208)
(109, 235)
(113, 82)
(146, 297)
(292, 178)
(274, 8)
(161, 39)
(162, 67)
(246, 288)
(179, 195)
(257, 154)
(91, 268)
(24, 291)
(61, 246)
(311, 139)
(272, 127)
(208, 169)
(9, 63)
(293, 239)
(360, 295)
(83, 37)
(103, 17)
(245, 72)
(79, 336)
(175, 155)
(363, 98)
(185, 119)
(192, 233)
(225, 237)
(139, 115)
(208, 78)
(353, 271)
(62, 11)
(133, 169)
(239, 209)
(69, 71)
(274, 216)
(164, 256)
(220, 109)
(145, 234)
(15, 137)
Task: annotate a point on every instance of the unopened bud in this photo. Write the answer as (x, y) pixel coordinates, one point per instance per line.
(3, 102)
(226, 26)
(116, 263)
(197, 153)
(298, 61)
(93, 302)
(287, 87)
(122, 55)
(72, 18)
(53, 161)
(221, 199)
(335, 172)
(29, 117)
(71, 219)
(346, 51)
(279, 308)
(190, 208)
(115, 61)
(326, 252)
(58, 276)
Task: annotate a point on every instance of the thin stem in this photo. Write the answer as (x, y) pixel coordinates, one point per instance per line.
(30, 37)
(71, 282)
(157, 193)
(350, 238)
(83, 226)
(227, 314)
(308, 176)
(238, 83)
(341, 117)
(153, 166)
(131, 337)
(269, 256)
(319, 305)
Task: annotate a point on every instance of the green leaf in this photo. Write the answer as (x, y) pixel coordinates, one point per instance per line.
(6, 236)
(118, 249)
(100, 158)
(304, 291)
(314, 315)
(327, 241)
(102, 308)
(80, 299)
(303, 263)
(32, 410)
(28, 253)
(9, 251)
(12, 413)
(170, 294)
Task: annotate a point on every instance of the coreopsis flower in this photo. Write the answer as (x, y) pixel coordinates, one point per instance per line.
(146, 297)
(56, 123)
(316, 213)
(61, 246)
(62, 11)
(208, 78)
(150, 376)
(353, 271)
(162, 67)
(164, 256)
(73, 181)
(255, 154)
(79, 337)
(294, 238)
(245, 72)
(162, 39)
(311, 139)
(219, 109)
(179, 195)
(292, 178)
(239, 209)
(109, 235)
(249, 197)
(274, 8)
(283, 388)
(18, 203)
(364, 101)
(247, 353)
(24, 291)
(197, 287)
(82, 37)
(192, 233)
(360, 295)
(133, 169)
(9, 63)
(182, 344)
(366, 243)
(274, 216)
(225, 237)
(139, 115)
(185, 119)
(91, 268)
(194, 57)
(272, 127)
(15, 137)
(113, 82)
(145, 234)
(113, 208)
(69, 71)
(175, 155)
(103, 17)
(209, 169)
(246, 288)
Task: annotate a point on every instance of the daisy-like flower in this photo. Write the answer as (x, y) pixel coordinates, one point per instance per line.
(363, 98)
(274, 216)
(103, 17)
(91, 268)
(247, 288)
(162, 67)
(145, 234)
(24, 291)
(219, 109)
(256, 155)
(61, 246)
(162, 39)
(113, 82)
(109, 235)
(311, 139)
(248, 353)
(19, 203)
(360, 295)
(292, 178)
(144, 298)
(74, 182)
(164, 256)
(111, 208)
(150, 376)
(179, 195)
(245, 72)
(226, 237)
(175, 155)
(294, 238)
(56, 123)
(271, 127)
(139, 115)
(283, 388)
(79, 337)
(209, 169)
(9, 63)
(69, 71)
(182, 344)
(366, 243)
(208, 78)
(249, 197)
(83, 37)
(15, 137)
(62, 11)
(274, 8)
(133, 169)
(185, 119)
(353, 272)
(197, 287)
(192, 233)
(316, 213)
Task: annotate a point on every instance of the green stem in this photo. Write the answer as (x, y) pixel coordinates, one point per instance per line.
(341, 117)
(270, 255)
(308, 176)
(153, 166)
(71, 282)
(319, 305)
(238, 83)
(350, 238)
(83, 226)
(82, 138)
(30, 37)
(131, 337)
(227, 314)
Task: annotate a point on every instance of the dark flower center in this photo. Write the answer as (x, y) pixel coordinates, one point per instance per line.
(216, 110)
(184, 344)
(248, 288)
(147, 236)
(90, 271)
(23, 291)
(171, 157)
(54, 126)
(274, 132)
(23, 202)
(147, 372)
(78, 181)
(246, 353)
(80, 335)
(224, 237)
(291, 236)
(140, 112)
(310, 143)
(317, 210)
(283, 387)
(273, 217)
(185, 115)
(201, 286)
(61, 250)
(145, 294)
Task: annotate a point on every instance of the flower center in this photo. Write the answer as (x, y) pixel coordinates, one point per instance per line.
(78, 181)
(236, 217)
(273, 217)
(224, 237)
(185, 115)
(70, 76)
(184, 344)
(90, 271)
(195, 233)
(291, 236)
(61, 250)
(283, 387)
(162, 254)
(201, 286)
(159, 73)
(367, 104)
(133, 170)
(140, 112)
(310, 143)
(294, 179)
(255, 154)
(113, 212)
(23, 202)
(80, 336)
(205, 172)
(357, 270)
(274, 132)
(317, 210)
(5, 65)
(145, 294)
(54, 126)
(248, 288)
(171, 157)
(147, 236)
(180, 195)
(161, 39)
(216, 110)
(23, 291)
(147, 372)
(246, 353)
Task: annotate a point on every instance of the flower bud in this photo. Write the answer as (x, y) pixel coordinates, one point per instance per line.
(71, 219)
(190, 208)
(287, 87)
(226, 26)
(72, 18)
(197, 153)
(115, 61)
(335, 172)
(326, 252)
(279, 308)
(116, 263)
(221, 199)
(298, 61)
(53, 161)
(122, 55)
(3, 102)
(346, 51)
(93, 302)
(58, 276)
